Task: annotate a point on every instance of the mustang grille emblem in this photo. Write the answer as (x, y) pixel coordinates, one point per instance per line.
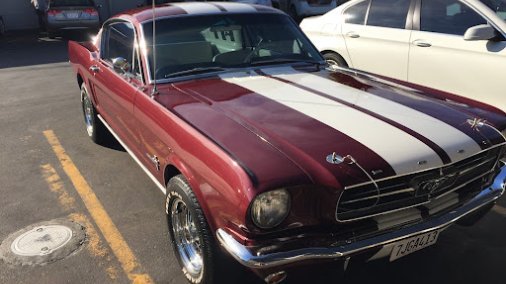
(435, 185)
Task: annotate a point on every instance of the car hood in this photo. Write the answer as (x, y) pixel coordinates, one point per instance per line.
(290, 126)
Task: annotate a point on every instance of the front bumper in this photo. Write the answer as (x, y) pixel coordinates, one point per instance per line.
(242, 254)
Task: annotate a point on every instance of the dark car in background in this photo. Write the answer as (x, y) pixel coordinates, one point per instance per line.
(71, 15)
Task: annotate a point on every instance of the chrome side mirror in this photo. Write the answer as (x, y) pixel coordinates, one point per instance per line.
(480, 32)
(121, 64)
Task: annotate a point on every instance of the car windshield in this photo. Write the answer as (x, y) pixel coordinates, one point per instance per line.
(498, 6)
(67, 3)
(199, 44)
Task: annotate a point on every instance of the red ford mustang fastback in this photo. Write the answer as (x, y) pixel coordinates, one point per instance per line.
(269, 157)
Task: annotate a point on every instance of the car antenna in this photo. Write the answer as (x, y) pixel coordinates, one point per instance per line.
(154, 92)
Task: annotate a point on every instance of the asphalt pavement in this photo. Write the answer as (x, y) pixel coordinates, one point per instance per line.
(50, 170)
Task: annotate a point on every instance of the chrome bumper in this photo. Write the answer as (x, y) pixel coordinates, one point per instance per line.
(245, 257)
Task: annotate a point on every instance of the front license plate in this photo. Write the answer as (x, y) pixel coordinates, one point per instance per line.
(416, 243)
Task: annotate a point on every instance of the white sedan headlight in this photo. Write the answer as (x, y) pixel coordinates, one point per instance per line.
(270, 208)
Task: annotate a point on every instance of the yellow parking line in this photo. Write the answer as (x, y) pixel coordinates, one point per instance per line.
(68, 203)
(120, 248)
(56, 185)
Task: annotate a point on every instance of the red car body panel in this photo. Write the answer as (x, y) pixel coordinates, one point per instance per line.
(232, 143)
(220, 114)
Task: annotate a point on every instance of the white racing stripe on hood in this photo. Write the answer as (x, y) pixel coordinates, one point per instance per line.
(197, 8)
(400, 150)
(449, 138)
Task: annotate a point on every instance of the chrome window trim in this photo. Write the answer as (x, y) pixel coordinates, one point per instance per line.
(135, 49)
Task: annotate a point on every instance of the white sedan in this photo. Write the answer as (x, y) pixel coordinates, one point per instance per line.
(451, 45)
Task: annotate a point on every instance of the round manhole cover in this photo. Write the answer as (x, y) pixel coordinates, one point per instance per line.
(41, 240)
(43, 243)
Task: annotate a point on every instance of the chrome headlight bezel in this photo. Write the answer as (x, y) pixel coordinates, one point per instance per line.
(269, 209)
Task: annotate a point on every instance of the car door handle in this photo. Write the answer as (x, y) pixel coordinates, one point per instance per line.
(352, 35)
(95, 69)
(421, 43)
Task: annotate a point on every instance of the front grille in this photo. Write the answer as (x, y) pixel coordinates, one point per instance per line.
(412, 190)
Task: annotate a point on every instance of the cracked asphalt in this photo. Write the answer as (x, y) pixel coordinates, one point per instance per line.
(39, 104)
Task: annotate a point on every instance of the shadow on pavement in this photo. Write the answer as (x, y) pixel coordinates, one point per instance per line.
(27, 48)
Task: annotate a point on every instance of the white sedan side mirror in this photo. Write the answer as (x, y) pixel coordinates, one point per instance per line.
(480, 32)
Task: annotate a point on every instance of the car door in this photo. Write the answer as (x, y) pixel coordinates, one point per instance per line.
(377, 36)
(115, 87)
(442, 59)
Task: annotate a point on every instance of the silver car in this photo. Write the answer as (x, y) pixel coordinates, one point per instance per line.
(71, 15)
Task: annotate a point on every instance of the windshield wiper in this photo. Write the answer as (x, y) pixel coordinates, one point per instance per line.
(286, 60)
(253, 50)
(192, 71)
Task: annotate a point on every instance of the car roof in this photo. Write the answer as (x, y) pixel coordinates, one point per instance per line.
(195, 8)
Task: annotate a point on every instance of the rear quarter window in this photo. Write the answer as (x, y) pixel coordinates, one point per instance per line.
(356, 13)
(388, 13)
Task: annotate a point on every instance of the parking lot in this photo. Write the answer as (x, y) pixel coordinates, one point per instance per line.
(51, 170)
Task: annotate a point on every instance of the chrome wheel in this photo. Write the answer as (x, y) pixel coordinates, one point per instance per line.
(186, 238)
(88, 112)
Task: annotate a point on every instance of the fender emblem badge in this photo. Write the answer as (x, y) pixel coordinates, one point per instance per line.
(154, 160)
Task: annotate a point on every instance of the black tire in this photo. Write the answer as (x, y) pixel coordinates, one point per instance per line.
(179, 194)
(94, 127)
(334, 59)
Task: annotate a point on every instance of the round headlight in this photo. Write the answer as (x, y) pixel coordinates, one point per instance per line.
(270, 208)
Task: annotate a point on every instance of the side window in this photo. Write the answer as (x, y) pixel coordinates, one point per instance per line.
(356, 13)
(448, 17)
(119, 42)
(136, 68)
(388, 13)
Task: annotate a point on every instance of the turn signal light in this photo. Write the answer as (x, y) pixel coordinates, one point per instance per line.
(91, 11)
